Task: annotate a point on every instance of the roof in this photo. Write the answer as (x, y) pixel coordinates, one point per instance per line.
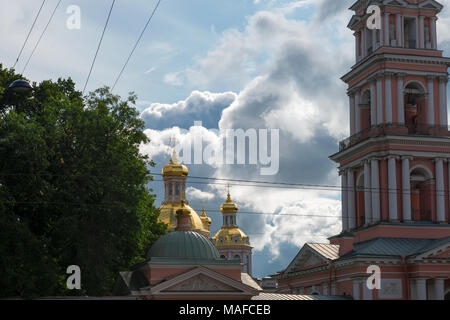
(248, 280)
(328, 251)
(395, 247)
(278, 296)
(184, 245)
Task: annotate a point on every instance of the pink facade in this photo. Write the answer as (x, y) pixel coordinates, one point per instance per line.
(394, 168)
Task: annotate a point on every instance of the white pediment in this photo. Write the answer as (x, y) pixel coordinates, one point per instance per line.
(431, 4)
(399, 3)
(305, 258)
(201, 283)
(202, 280)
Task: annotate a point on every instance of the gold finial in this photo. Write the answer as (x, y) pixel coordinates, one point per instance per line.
(203, 208)
(174, 159)
(228, 195)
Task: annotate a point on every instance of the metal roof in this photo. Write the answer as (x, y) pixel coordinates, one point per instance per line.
(395, 247)
(278, 296)
(328, 251)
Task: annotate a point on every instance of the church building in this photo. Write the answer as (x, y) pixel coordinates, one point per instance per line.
(394, 167)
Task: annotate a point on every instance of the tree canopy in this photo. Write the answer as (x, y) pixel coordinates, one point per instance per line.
(73, 189)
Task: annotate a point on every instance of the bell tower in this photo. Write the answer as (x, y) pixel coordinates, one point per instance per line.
(395, 165)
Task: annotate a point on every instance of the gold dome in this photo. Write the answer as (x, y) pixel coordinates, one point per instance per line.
(175, 168)
(231, 237)
(229, 205)
(205, 219)
(168, 215)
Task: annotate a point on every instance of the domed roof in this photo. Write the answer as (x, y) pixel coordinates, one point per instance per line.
(175, 168)
(184, 245)
(229, 205)
(231, 237)
(168, 216)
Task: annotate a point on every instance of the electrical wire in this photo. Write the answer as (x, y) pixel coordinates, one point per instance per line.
(40, 38)
(99, 44)
(135, 46)
(29, 33)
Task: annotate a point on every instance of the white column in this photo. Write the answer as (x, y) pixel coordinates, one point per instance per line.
(417, 33)
(367, 193)
(356, 291)
(367, 293)
(386, 29)
(443, 115)
(392, 178)
(374, 40)
(357, 46)
(344, 196)
(351, 199)
(412, 289)
(379, 99)
(375, 181)
(421, 289)
(399, 30)
(333, 289)
(388, 97)
(325, 289)
(430, 100)
(440, 192)
(406, 194)
(400, 99)
(357, 112)
(438, 289)
(352, 114)
(364, 42)
(433, 33)
(373, 106)
(422, 32)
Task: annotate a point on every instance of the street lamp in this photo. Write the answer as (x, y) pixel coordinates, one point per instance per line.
(20, 86)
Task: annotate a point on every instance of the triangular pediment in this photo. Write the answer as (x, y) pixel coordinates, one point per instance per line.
(307, 257)
(398, 3)
(431, 4)
(202, 280)
(441, 251)
(201, 283)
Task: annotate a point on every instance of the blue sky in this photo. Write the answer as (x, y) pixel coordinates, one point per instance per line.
(237, 64)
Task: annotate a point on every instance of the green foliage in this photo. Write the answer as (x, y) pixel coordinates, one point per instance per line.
(72, 189)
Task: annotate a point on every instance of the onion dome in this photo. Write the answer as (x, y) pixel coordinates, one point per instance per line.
(175, 168)
(229, 206)
(205, 219)
(183, 243)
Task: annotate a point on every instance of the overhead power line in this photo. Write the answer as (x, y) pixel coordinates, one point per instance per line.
(135, 46)
(42, 35)
(99, 44)
(29, 33)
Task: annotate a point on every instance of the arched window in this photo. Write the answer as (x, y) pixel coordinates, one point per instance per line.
(365, 111)
(415, 108)
(223, 257)
(422, 184)
(237, 257)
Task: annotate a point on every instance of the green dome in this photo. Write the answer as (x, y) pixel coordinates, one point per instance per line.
(184, 245)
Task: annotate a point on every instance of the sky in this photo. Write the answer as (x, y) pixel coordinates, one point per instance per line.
(236, 64)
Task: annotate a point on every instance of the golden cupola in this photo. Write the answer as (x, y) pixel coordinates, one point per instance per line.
(230, 234)
(174, 175)
(175, 168)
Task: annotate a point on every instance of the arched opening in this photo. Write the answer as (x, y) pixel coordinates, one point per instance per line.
(422, 184)
(360, 201)
(237, 257)
(223, 257)
(415, 108)
(365, 113)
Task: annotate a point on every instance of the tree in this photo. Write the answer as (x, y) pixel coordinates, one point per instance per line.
(73, 188)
